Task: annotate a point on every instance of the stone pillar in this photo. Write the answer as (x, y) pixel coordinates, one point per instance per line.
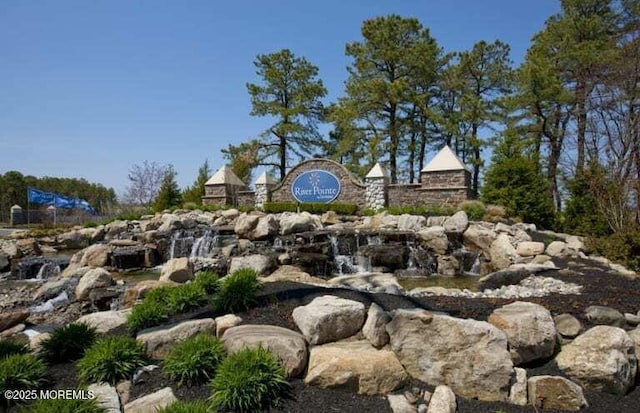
(264, 184)
(17, 216)
(222, 188)
(376, 192)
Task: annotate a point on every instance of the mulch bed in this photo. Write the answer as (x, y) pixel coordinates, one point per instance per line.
(277, 301)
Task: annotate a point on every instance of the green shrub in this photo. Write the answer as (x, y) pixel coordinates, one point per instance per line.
(111, 359)
(368, 212)
(186, 297)
(68, 343)
(194, 360)
(8, 348)
(474, 209)
(64, 406)
(208, 281)
(237, 291)
(197, 406)
(159, 295)
(311, 207)
(21, 371)
(190, 206)
(148, 313)
(622, 248)
(249, 380)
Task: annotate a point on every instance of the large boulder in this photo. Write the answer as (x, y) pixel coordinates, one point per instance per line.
(502, 252)
(225, 322)
(469, 356)
(170, 222)
(503, 277)
(104, 321)
(413, 223)
(268, 226)
(457, 223)
(291, 223)
(93, 279)
(178, 270)
(601, 315)
(9, 319)
(530, 248)
(555, 392)
(292, 273)
(262, 264)
(96, 255)
(114, 228)
(480, 237)
(374, 328)
(329, 318)
(530, 330)
(435, 239)
(601, 359)
(245, 225)
(151, 403)
(556, 249)
(355, 364)
(635, 336)
(287, 345)
(567, 325)
(106, 396)
(443, 400)
(159, 341)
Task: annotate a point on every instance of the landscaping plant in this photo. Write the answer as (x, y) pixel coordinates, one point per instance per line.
(64, 406)
(195, 360)
(249, 380)
(186, 297)
(208, 280)
(21, 371)
(237, 291)
(148, 313)
(197, 406)
(111, 359)
(68, 343)
(8, 348)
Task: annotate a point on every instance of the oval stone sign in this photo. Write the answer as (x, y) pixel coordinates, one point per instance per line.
(315, 185)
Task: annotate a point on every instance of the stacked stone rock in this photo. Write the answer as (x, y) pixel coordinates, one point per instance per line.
(375, 194)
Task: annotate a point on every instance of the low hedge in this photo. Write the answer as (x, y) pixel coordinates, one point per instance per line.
(311, 207)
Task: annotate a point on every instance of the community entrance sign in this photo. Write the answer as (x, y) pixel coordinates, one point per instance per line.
(315, 185)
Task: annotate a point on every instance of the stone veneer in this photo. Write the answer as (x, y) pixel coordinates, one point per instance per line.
(351, 191)
(376, 194)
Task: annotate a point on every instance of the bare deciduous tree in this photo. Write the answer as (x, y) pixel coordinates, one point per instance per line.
(144, 182)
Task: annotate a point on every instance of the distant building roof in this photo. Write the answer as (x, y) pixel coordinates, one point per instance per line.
(377, 172)
(266, 179)
(445, 160)
(225, 175)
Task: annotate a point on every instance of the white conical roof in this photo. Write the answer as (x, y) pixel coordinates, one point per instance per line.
(445, 160)
(224, 175)
(377, 171)
(266, 179)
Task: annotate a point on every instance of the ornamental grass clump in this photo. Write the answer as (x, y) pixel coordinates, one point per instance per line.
(208, 280)
(198, 406)
(195, 360)
(8, 348)
(20, 372)
(186, 297)
(111, 359)
(68, 343)
(249, 380)
(64, 406)
(148, 313)
(237, 291)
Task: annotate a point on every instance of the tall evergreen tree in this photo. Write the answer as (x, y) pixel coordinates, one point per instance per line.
(195, 192)
(169, 194)
(291, 92)
(389, 82)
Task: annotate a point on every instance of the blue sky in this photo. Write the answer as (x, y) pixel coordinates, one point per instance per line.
(90, 87)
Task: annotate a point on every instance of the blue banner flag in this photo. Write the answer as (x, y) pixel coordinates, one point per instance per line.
(40, 197)
(64, 202)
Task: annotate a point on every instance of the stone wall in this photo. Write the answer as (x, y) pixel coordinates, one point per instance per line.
(246, 198)
(404, 195)
(351, 191)
(446, 179)
(220, 194)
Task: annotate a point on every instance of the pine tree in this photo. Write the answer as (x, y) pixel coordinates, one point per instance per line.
(169, 195)
(195, 192)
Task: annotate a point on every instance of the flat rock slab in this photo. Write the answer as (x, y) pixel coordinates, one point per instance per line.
(355, 364)
(104, 321)
(151, 403)
(107, 397)
(329, 318)
(554, 392)
(289, 346)
(159, 341)
(469, 356)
